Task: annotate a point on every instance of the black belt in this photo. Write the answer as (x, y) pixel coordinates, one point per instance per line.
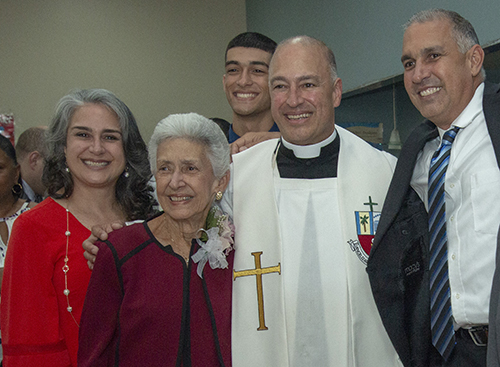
(478, 334)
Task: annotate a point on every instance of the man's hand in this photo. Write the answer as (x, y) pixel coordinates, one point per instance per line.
(252, 138)
(99, 233)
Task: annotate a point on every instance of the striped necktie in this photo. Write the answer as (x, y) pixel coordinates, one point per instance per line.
(443, 335)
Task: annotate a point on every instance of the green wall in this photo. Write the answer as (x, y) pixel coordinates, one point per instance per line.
(365, 35)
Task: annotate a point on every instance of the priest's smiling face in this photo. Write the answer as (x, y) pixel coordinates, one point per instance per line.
(303, 95)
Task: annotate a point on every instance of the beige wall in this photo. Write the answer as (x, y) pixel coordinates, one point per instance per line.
(159, 57)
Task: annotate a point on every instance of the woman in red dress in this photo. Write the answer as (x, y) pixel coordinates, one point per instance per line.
(96, 172)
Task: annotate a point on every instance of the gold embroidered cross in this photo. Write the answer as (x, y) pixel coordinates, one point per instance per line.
(258, 271)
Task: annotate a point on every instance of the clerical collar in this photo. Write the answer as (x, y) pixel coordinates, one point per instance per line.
(323, 165)
(309, 151)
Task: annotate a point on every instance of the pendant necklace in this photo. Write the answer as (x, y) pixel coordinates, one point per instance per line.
(186, 258)
(172, 242)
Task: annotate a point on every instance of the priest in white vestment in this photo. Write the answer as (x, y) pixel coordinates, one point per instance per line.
(305, 210)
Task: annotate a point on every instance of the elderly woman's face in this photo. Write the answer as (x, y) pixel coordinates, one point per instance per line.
(9, 175)
(185, 181)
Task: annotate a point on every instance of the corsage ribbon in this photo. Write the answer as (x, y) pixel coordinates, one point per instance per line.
(211, 251)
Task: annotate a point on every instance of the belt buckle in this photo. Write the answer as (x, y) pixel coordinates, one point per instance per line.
(479, 335)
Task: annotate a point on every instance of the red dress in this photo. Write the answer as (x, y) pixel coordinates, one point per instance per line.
(37, 330)
(146, 307)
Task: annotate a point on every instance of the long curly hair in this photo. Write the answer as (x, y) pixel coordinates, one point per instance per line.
(133, 193)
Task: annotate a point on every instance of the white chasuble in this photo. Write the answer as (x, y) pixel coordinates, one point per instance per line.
(301, 295)
(313, 271)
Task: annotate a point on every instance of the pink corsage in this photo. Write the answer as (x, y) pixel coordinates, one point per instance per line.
(216, 241)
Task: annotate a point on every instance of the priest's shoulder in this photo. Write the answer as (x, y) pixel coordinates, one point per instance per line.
(363, 148)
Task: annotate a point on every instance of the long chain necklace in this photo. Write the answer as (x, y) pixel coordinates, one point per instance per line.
(65, 269)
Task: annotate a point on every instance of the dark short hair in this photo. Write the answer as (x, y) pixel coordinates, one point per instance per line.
(223, 124)
(32, 139)
(133, 193)
(252, 40)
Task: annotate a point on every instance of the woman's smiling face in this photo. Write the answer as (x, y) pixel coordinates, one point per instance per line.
(94, 147)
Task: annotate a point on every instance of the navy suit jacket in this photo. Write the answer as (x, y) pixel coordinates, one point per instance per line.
(399, 260)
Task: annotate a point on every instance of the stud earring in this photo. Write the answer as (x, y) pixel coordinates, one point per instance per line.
(218, 196)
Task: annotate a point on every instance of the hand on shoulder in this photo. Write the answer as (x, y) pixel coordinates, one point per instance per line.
(99, 233)
(252, 138)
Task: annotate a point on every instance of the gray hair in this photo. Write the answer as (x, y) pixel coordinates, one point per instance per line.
(462, 31)
(67, 106)
(311, 41)
(133, 193)
(197, 128)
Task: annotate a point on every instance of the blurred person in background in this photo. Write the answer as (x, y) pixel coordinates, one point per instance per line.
(31, 152)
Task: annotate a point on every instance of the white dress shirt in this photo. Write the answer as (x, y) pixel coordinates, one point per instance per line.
(472, 191)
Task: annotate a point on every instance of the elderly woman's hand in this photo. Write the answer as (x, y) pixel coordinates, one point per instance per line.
(99, 233)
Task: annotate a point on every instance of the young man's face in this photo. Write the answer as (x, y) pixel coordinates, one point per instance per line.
(246, 80)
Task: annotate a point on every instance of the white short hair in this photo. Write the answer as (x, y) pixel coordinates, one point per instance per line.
(197, 128)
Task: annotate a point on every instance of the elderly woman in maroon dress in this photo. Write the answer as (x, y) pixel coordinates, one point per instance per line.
(160, 292)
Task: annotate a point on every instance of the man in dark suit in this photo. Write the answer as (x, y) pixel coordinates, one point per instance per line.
(433, 258)
(494, 332)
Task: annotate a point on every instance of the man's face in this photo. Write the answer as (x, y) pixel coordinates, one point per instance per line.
(303, 97)
(246, 80)
(438, 78)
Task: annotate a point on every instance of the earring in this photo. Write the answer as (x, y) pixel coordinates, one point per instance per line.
(126, 174)
(17, 189)
(218, 196)
(67, 169)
